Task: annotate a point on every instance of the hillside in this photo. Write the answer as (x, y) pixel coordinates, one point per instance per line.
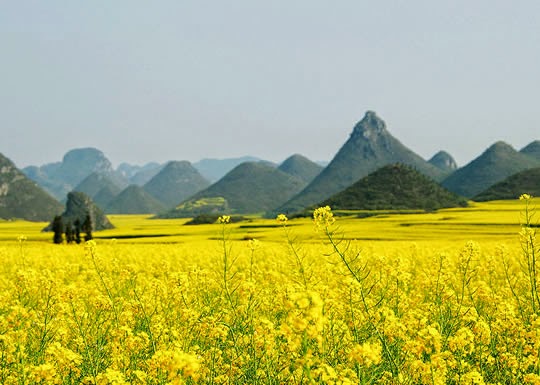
(527, 181)
(494, 165)
(532, 150)
(369, 147)
(95, 182)
(21, 198)
(251, 187)
(134, 200)
(177, 181)
(104, 196)
(300, 167)
(394, 187)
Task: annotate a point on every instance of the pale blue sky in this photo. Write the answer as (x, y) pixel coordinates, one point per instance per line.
(153, 81)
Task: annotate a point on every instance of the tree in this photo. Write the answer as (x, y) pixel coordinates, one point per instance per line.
(58, 229)
(77, 224)
(87, 227)
(70, 236)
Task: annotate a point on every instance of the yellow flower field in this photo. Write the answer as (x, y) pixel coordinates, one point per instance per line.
(449, 297)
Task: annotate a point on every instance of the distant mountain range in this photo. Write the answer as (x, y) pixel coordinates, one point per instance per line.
(251, 185)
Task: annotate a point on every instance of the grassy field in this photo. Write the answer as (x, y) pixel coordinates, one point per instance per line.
(448, 297)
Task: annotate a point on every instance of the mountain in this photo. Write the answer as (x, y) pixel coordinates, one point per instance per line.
(494, 165)
(107, 193)
(369, 147)
(175, 182)
(21, 198)
(215, 169)
(251, 187)
(61, 177)
(532, 150)
(78, 206)
(394, 187)
(95, 182)
(444, 161)
(139, 175)
(134, 200)
(300, 167)
(527, 181)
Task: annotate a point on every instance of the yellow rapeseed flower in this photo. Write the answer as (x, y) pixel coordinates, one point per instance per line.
(323, 217)
(224, 219)
(525, 197)
(282, 218)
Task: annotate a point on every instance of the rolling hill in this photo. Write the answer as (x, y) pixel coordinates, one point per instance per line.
(369, 147)
(495, 164)
(394, 187)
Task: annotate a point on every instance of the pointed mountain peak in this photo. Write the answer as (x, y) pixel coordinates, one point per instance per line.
(370, 124)
(444, 161)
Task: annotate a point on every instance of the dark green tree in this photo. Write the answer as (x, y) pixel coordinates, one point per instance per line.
(70, 236)
(77, 234)
(87, 227)
(58, 229)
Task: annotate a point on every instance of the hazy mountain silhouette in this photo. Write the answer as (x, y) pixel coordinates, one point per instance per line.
(61, 177)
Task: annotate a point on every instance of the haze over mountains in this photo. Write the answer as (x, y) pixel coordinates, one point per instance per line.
(251, 185)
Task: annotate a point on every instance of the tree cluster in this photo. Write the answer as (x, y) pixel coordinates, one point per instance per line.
(71, 231)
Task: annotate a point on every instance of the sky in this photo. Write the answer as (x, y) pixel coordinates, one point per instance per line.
(183, 80)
